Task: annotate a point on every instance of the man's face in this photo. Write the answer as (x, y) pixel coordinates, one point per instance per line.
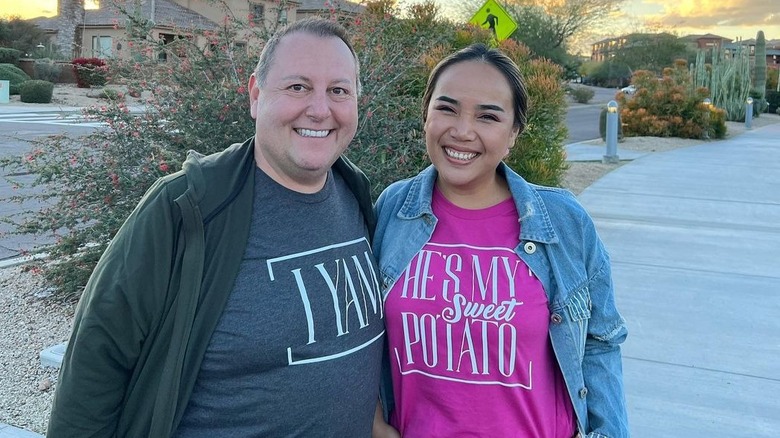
(306, 112)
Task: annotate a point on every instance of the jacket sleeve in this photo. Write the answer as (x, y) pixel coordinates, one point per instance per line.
(121, 306)
(602, 364)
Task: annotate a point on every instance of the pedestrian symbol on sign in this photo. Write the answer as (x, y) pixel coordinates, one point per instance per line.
(492, 16)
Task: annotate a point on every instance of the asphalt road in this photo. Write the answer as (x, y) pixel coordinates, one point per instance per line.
(582, 120)
(17, 130)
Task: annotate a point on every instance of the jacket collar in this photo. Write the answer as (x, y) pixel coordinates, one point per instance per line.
(533, 215)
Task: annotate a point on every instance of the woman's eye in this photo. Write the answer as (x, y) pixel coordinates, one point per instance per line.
(445, 109)
(490, 117)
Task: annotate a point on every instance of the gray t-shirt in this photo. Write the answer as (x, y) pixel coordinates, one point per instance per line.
(297, 350)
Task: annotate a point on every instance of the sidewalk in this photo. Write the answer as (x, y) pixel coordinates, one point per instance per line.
(694, 235)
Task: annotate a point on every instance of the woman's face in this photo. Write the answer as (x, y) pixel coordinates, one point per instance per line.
(469, 128)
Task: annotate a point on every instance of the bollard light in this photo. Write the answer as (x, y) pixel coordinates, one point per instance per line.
(612, 133)
(749, 113)
(707, 102)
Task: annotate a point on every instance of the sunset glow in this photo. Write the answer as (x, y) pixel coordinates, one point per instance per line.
(731, 19)
(35, 8)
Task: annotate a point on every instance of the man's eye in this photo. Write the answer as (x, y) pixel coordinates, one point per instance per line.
(338, 91)
(297, 87)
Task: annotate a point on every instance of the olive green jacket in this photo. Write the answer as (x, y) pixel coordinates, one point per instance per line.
(147, 314)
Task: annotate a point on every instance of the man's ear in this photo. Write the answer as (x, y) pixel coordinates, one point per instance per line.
(254, 94)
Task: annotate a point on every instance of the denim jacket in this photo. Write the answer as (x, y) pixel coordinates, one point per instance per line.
(559, 243)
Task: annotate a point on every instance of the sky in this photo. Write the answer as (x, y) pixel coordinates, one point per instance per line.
(727, 18)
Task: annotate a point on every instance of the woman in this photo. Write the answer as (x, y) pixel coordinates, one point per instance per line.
(500, 311)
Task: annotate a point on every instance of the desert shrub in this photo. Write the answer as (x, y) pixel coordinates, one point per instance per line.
(759, 103)
(9, 56)
(15, 76)
(47, 70)
(36, 91)
(582, 94)
(111, 94)
(90, 72)
(91, 183)
(669, 107)
(773, 101)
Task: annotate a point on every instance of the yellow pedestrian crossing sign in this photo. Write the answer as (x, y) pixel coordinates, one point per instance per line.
(492, 16)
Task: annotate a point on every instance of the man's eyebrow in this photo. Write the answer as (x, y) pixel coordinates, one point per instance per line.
(306, 79)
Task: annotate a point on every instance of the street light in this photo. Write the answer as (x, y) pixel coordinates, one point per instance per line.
(612, 133)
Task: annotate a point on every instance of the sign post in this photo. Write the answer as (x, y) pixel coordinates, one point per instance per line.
(492, 16)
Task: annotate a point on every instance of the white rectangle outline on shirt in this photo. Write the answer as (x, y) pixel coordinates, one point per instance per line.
(311, 251)
(290, 361)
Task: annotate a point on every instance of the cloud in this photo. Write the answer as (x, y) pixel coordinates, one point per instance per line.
(711, 13)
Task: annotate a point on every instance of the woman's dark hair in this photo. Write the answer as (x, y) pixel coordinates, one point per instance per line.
(494, 57)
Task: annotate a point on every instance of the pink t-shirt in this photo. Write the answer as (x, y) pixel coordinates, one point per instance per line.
(467, 326)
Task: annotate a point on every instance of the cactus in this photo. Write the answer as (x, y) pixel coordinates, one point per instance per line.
(728, 78)
(759, 72)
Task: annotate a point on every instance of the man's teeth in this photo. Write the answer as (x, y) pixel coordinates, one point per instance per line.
(313, 133)
(463, 156)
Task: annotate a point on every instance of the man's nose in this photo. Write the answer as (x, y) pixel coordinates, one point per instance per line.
(319, 106)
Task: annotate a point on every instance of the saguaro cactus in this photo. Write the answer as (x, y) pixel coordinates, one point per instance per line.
(759, 69)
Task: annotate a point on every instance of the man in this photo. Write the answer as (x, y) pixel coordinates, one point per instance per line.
(240, 298)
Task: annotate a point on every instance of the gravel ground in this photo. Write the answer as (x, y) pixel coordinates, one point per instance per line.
(29, 322)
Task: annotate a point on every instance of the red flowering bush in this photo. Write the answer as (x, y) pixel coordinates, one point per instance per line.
(198, 99)
(90, 72)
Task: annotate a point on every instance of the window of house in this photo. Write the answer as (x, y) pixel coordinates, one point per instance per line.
(101, 46)
(257, 11)
(165, 39)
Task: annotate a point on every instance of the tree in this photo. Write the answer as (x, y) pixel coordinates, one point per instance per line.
(69, 14)
(537, 34)
(21, 35)
(651, 51)
(565, 18)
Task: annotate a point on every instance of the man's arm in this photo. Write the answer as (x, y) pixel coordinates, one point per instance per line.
(122, 301)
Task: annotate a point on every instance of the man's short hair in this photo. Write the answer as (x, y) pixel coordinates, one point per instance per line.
(316, 26)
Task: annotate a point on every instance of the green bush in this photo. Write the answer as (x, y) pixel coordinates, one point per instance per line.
(36, 91)
(582, 94)
(47, 70)
(9, 56)
(12, 73)
(90, 184)
(110, 94)
(773, 101)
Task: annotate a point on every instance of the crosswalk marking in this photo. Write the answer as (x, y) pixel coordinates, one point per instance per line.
(63, 119)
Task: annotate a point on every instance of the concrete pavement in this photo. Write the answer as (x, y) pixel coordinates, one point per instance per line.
(694, 236)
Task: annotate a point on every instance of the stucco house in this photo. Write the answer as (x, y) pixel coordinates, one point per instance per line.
(102, 32)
